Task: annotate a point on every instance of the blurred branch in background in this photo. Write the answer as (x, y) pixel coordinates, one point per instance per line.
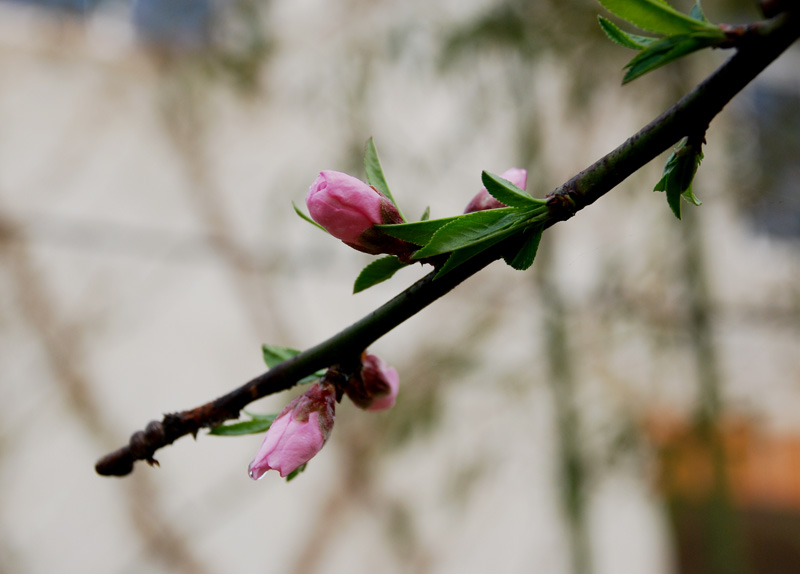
(62, 343)
(573, 469)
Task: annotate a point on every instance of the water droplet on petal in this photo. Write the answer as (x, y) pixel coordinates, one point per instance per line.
(253, 473)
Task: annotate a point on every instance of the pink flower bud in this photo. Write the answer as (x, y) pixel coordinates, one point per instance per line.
(484, 200)
(348, 209)
(298, 433)
(375, 388)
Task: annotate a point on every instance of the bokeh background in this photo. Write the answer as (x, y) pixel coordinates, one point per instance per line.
(631, 404)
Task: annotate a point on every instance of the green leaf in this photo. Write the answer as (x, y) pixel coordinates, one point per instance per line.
(299, 212)
(625, 39)
(507, 193)
(689, 196)
(260, 416)
(674, 200)
(657, 16)
(292, 475)
(274, 355)
(679, 172)
(376, 272)
(672, 191)
(663, 52)
(426, 215)
(461, 256)
(472, 228)
(418, 233)
(257, 425)
(375, 177)
(697, 13)
(523, 258)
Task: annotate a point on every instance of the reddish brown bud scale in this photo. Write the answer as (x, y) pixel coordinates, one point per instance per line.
(375, 386)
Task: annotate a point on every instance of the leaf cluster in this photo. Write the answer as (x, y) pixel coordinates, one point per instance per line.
(682, 34)
(451, 241)
(679, 173)
(462, 237)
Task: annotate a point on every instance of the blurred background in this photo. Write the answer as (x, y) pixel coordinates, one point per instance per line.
(631, 404)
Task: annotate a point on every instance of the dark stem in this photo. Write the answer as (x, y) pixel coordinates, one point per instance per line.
(697, 108)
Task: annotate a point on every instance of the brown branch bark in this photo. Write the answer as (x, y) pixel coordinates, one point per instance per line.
(692, 113)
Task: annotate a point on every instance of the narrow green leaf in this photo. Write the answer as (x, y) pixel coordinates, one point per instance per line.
(667, 183)
(461, 256)
(689, 161)
(663, 52)
(472, 228)
(292, 475)
(375, 177)
(674, 200)
(657, 16)
(632, 41)
(274, 355)
(523, 258)
(376, 272)
(260, 416)
(689, 196)
(418, 233)
(507, 193)
(426, 215)
(302, 215)
(254, 426)
(661, 185)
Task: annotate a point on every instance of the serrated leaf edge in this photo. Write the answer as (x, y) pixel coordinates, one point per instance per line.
(674, 21)
(525, 199)
(622, 38)
(357, 289)
(510, 211)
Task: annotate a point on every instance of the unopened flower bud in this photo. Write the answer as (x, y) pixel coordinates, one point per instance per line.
(484, 200)
(349, 209)
(298, 433)
(375, 387)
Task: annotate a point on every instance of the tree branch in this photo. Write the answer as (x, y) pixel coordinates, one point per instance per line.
(691, 114)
